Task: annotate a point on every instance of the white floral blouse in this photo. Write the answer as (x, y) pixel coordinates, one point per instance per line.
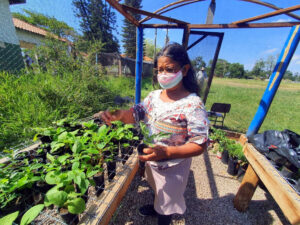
(186, 120)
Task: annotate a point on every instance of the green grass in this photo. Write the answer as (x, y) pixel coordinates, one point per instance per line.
(36, 100)
(244, 97)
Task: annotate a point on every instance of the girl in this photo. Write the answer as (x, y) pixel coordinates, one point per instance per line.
(175, 109)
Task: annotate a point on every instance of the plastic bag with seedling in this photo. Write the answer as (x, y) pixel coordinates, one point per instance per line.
(148, 140)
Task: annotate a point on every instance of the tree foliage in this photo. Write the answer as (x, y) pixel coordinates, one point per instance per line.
(59, 28)
(129, 30)
(149, 48)
(98, 21)
(262, 69)
(198, 63)
(236, 70)
(259, 69)
(222, 68)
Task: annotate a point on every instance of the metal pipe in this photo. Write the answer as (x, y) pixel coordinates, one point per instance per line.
(138, 64)
(275, 79)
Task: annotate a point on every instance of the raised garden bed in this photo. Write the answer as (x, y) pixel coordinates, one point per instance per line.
(62, 171)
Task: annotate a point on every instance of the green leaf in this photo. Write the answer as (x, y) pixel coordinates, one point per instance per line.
(103, 129)
(35, 138)
(57, 197)
(93, 151)
(77, 147)
(75, 166)
(36, 166)
(52, 178)
(35, 178)
(50, 157)
(76, 206)
(86, 157)
(56, 145)
(91, 173)
(31, 214)
(128, 126)
(69, 189)
(21, 182)
(63, 136)
(71, 175)
(81, 181)
(63, 158)
(9, 219)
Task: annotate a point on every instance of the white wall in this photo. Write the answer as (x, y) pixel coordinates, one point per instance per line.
(29, 37)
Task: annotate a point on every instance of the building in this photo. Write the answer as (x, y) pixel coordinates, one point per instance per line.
(10, 51)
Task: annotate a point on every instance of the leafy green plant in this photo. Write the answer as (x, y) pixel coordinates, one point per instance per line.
(148, 139)
(26, 219)
(9, 219)
(223, 143)
(70, 172)
(219, 137)
(15, 177)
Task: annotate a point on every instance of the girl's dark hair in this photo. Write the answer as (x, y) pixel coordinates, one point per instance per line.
(177, 53)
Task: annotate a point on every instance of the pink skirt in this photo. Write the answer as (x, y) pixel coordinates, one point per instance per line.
(169, 185)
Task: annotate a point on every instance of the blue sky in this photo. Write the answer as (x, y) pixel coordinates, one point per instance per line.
(244, 46)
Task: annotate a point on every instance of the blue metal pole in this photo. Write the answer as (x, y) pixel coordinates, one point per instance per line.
(275, 79)
(139, 64)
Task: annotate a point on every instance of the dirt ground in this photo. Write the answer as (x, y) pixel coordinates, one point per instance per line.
(209, 198)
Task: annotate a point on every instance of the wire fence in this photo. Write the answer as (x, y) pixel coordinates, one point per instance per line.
(99, 198)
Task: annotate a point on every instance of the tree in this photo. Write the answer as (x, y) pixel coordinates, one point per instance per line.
(236, 70)
(222, 68)
(259, 69)
(98, 21)
(149, 48)
(198, 63)
(269, 65)
(59, 28)
(129, 30)
(289, 75)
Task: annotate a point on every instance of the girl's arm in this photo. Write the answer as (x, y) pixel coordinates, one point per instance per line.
(126, 116)
(160, 152)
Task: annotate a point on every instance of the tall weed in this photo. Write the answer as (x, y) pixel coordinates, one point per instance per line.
(36, 99)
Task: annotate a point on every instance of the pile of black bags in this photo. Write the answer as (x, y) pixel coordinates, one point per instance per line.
(282, 148)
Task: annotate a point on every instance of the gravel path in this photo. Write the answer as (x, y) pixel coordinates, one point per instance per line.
(209, 198)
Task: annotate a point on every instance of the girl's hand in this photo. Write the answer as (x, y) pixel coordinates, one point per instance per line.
(107, 116)
(156, 153)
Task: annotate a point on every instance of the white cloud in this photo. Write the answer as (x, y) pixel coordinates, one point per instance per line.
(296, 58)
(297, 62)
(282, 20)
(269, 51)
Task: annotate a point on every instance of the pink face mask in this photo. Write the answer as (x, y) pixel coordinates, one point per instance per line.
(169, 80)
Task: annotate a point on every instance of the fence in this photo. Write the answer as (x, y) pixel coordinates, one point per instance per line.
(118, 65)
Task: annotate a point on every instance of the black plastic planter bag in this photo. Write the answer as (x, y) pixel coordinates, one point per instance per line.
(279, 146)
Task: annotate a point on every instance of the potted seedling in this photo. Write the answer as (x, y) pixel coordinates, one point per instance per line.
(90, 147)
(148, 141)
(233, 164)
(243, 163)
(64, 194)
(220, 141)
(125, 138)
(68, 123)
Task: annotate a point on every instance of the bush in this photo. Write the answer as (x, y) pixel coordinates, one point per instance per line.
(234, 149)
(35, 99)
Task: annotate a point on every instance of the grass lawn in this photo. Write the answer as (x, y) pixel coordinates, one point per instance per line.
(244, 97)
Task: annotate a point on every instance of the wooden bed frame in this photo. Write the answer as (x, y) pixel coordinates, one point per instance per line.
(260, 169)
